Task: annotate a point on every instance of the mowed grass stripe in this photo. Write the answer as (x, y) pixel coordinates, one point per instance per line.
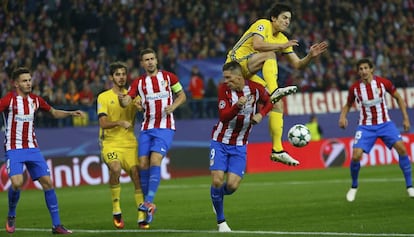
(294, 203)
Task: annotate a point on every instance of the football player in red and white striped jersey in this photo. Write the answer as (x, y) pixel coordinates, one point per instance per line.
(374, 122)
(237, 105)
(157, 93)
(19, 107)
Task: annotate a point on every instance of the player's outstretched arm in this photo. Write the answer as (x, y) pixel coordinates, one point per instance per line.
(314, 51)
(58, 114)
(259, 44)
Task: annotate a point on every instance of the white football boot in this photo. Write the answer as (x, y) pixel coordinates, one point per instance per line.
(350, 195)
(223, 227)
(281, 92)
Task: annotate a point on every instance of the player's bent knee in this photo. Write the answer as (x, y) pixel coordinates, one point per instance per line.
(356, 159)
(232, 187)
(17, 186)
(16, 182)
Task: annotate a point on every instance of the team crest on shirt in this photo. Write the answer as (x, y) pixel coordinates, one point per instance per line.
(377, 91)
(260, 27)
(222, 104)
(250, 99)
(33, 105)
(164, 83)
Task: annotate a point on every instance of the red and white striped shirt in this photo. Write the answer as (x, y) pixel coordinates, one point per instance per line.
(370, 98)
(234, 124)
(19, 119)
(156, 94)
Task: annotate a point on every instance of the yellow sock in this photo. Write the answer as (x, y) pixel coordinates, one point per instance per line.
(269, 71)
(276, 130)
(116, 196)
(139, 198)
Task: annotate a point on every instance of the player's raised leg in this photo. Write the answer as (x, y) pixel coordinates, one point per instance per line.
(276, 131)
(281, 92)
(269, 80)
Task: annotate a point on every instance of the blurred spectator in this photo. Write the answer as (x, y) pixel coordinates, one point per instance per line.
(86, 97)
(211, 108)
(68, 40)
(60, 98)
(72, 94)
(60, 102)
(87, 102)
(196, 90)
(315, 128)
(96, 86)
(44, 119)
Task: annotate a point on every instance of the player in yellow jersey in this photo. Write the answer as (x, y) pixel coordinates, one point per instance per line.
(256, 50)
(119, 148)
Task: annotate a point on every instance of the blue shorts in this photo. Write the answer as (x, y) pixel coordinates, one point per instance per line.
(366, 135)
(157, 139)
(228, 158)
(32, 158)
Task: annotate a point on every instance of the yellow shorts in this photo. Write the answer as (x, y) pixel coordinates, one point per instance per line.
(243, 64)
(245, 71)
(128, 157)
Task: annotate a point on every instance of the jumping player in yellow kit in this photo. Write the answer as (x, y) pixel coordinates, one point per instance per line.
(256, 50)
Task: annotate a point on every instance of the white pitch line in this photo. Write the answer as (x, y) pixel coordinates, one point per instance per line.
(258, 232)
(269, 183)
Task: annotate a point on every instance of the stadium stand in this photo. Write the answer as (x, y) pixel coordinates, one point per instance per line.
(72, 42)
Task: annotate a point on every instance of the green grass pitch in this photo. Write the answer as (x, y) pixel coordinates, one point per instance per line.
(296, 203)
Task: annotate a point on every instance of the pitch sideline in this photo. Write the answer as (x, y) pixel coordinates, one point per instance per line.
(258, 232)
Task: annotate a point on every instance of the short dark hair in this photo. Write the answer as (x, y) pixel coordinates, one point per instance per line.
(115, 66)
(363, 61)
(231, 66)
(146, 51)
(278, 8)
(19, 71)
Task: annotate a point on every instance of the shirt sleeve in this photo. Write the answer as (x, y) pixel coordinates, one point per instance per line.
(101, 105)
(133, 89)
(265, 99)
(351, 96)
(43, 105)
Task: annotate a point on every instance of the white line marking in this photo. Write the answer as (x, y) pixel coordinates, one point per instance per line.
(258, 232)
(267, 183)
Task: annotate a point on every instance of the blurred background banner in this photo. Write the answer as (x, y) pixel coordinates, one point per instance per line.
(184, 161)
(326, 153)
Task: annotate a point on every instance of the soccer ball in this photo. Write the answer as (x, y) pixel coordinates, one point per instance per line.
(299, 135)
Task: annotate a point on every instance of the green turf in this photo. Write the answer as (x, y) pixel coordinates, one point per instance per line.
(298, 203)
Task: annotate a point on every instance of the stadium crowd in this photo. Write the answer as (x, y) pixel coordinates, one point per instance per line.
(69, 44)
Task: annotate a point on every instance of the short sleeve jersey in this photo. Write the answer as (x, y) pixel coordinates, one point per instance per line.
(108, 104)
(263, 27)
(19, 114)
(371, 100)
(156, 94)
(235, 124)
